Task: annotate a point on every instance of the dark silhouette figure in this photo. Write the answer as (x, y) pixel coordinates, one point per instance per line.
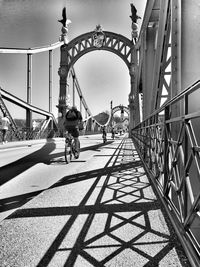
(65, 22)
(134, 15)
(64, 19)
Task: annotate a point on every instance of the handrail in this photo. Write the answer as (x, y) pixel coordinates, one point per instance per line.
(23, 104)
(15, 100)
(176, 98)
(34, 50)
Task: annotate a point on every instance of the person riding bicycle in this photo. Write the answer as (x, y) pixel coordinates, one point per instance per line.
(73, 118)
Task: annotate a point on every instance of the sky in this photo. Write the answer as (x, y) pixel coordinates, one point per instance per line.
(102, 75)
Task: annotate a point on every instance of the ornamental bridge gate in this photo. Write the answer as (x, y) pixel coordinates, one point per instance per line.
(122, 109)
(99, 40)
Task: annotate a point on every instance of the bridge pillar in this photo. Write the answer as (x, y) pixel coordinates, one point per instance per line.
(63, 73)
(133, 96)
(73, 90)
(29, 90)
(81, 104)
(50, 79)
(111, 112)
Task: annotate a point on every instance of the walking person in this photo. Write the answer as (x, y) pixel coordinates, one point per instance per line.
(104, 134)
(113, 133)
(5, 122)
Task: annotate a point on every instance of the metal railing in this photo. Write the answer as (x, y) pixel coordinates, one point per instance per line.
(169, 144)
(49, 124)
(29, 134)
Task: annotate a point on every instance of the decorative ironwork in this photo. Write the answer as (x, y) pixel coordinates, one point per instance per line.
(120, 108)
(85, 43)
(98, 37)
(170, 147)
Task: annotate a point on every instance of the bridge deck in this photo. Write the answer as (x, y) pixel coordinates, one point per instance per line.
(107, 214)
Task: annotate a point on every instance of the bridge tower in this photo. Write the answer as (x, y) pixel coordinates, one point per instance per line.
(100, 40)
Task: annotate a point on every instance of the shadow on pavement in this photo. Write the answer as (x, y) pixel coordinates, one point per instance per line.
(125, 225)
(13, 169)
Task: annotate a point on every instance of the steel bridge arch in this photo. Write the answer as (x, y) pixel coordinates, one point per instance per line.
(120, 108)
(85, 43)
(115, 43)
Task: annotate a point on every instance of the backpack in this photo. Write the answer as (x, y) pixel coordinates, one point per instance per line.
(71, 115)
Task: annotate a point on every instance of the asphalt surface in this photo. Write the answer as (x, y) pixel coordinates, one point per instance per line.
(102, 211)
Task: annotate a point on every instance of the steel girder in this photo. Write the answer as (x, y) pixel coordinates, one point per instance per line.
(154, 46)
(168, 48)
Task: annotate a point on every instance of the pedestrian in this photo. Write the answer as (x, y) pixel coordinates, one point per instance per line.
(104, 135)
(113, 133)
(5, 122)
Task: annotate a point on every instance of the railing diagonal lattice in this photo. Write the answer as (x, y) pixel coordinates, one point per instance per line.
(169, 144)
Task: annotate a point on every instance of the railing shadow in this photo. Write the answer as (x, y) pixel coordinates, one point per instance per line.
(17, 167)
(29, 161)
(124, 224)
(43, 155)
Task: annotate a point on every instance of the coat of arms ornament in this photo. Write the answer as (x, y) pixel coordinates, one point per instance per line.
(98, 36)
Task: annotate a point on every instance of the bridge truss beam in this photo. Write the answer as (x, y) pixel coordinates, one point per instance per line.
(168, 51)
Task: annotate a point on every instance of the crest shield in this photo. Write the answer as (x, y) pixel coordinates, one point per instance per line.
(98, 37)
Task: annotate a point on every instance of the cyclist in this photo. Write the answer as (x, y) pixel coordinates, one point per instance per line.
(73, 118)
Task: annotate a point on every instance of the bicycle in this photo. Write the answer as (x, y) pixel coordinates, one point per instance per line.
(70, 148)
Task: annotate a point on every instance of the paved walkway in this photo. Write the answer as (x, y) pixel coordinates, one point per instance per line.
(105, 215)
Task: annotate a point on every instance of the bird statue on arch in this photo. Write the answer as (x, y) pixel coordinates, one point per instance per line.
(65, 22)
(134, 17)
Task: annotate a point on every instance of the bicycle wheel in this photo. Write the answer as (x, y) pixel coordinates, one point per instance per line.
(68, 153)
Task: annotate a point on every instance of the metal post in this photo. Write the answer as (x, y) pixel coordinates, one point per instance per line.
(73, 92)
(81, 103)
(111, 111)
(29, 90)
(50, 85)
(132, 95)
(50, 79)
